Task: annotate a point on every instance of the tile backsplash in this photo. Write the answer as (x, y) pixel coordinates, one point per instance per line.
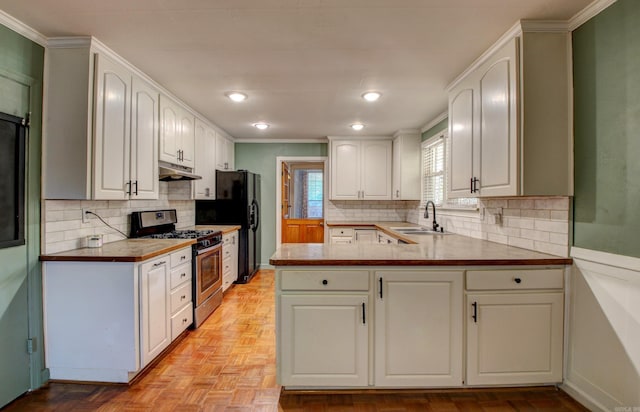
(534, 223)
(369, 210)
(64, 229)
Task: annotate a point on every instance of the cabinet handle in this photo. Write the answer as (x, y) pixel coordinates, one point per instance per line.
(397, 193)
(128, 187)
(471, 185)
(163, 262)
(364, 318)
(474, 184)
(517, 280)
(380, 286)
(325, 282)
(136, 191)
(207, 192)
(475, 312)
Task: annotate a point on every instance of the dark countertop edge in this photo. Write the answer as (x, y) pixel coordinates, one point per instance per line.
(107, 258)
(434, 262)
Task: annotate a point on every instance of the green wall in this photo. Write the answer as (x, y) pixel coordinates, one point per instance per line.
(21, 69)
(443, 124)
(606, 52)
(261, 158)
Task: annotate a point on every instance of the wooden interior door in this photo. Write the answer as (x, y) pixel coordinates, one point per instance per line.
(297, 230)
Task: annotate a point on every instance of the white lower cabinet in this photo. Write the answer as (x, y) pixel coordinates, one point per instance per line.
(329, 336)
(325, 340)
(418, 328)
(155, 323)
(365, 235)
(125, 319)
(514, 335)
(341, 235)
(229, 259)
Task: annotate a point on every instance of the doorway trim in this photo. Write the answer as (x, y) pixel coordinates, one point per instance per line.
(325, 188)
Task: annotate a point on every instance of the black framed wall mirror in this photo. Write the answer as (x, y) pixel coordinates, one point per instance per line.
(12, 180)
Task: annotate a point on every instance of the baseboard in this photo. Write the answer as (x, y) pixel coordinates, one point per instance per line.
(582, 397)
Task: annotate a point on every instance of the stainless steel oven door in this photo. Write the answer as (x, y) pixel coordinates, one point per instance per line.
(208, 273)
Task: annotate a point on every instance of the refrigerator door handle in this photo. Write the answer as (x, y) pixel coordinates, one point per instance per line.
(256, 215)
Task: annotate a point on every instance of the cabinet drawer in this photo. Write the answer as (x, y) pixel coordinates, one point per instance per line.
(514, 279)
(341, 231)
(181, 321)
(324, 280)
(226, 252)
(180, 257)
(180, 275)
(227, 265)
(180, 296)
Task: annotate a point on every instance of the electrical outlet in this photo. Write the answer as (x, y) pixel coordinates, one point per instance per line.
(85, 215)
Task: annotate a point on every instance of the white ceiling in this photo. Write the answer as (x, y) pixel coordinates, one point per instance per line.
(303, 63)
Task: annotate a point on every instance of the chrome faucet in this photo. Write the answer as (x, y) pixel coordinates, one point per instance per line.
(426, 215)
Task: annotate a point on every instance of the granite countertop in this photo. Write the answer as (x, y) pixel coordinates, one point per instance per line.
(127, 250)
(428, 250)
(224, 228)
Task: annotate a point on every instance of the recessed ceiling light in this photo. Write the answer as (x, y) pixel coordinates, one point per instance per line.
(236, 96)
(261, 125)
(357, 126)
(371, 96)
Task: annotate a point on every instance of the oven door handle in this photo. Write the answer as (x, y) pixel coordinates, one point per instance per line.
(209, 249)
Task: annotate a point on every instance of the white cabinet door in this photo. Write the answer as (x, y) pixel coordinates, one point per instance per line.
(461, 140)
(497, 169)
(169, 130)
(365, 235)
(375, 178)
(514, 338)
(324, 340)
(144, 140)
(112, 134)
(406, 167)
(225, 153)
(205, 155)
(418, 331)
(155, 308)
(345, 170)
(187, 141)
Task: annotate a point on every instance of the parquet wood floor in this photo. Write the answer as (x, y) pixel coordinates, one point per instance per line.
(228, 364)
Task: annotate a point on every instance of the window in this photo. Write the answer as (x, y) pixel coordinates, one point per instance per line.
(434, 175)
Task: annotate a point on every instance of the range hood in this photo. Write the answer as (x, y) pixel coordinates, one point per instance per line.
(171, 173)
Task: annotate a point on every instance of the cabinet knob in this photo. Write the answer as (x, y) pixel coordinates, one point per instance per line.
(325, 282)
(183, 297)
(182, 275)
(184, 320)
(517, 280)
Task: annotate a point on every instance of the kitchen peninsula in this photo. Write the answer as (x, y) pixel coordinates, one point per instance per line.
(442, 311)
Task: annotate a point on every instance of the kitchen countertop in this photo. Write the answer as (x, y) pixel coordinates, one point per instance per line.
(224, 228)
(423, 250)
(127, 250)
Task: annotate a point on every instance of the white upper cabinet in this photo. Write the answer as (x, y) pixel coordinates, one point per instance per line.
(224, 153)
(145, 127)
(205, 188)
(102, 127)
(406, 165)
(508, 120)
(360, 169)
(112, 133)
(177, 134)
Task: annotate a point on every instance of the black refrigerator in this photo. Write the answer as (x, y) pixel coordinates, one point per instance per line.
(237, 203)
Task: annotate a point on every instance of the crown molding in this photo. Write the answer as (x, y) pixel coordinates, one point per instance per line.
(405, 132)
(588, 12)
(69, 42)
(359, 137)
(22, 29)
(259, 140)
(544, 26)
(435, 121)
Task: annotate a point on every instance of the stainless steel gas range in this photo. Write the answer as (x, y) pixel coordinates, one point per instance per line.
(207, 256)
